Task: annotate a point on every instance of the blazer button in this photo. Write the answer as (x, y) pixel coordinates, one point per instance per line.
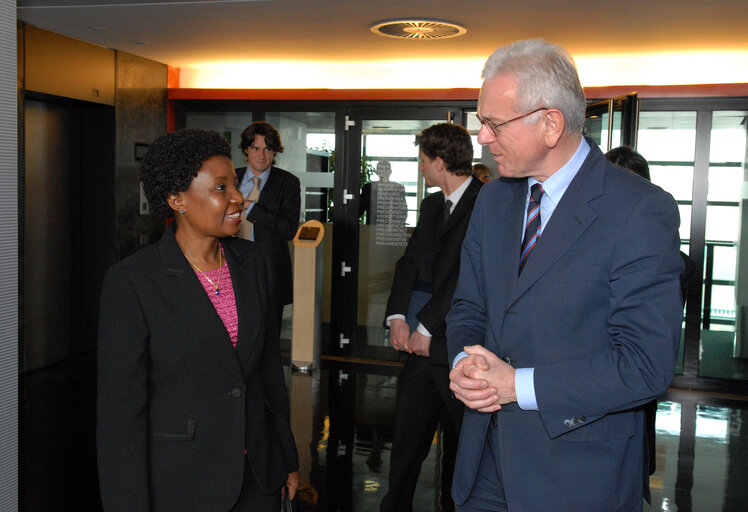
(568, 423)
(582, 419)
(236, 392)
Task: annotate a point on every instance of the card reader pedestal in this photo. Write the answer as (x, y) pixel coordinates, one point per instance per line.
(307, 295)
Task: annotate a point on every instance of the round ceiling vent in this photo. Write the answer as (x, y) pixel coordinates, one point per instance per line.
(418, 29)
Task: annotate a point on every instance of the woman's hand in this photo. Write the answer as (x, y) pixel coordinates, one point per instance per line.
(292, 483)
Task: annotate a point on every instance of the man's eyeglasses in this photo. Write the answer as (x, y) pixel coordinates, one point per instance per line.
(494, 127)
(255, 149)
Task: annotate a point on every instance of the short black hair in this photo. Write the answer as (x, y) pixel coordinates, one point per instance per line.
(172, 162)
(450, 142)
(264, 129)
(630, 160)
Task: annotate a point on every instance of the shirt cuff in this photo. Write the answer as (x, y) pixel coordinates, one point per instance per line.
(389, 318)
(459, 357)
(422, 329)
(524, 388)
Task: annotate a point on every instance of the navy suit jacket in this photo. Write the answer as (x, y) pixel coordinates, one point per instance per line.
(177, 405)
(276, 220)
(596, 311)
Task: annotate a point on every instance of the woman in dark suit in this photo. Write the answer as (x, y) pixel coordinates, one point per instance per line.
(193, 411)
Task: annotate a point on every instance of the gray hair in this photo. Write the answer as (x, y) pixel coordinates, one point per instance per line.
(546, 77)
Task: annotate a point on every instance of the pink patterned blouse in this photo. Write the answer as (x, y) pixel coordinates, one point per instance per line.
(224, 302)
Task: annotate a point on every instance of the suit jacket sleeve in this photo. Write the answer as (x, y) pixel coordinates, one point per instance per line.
(281, 218)
(643, 326)
(434, 313)
(122, 401)
(407, 268)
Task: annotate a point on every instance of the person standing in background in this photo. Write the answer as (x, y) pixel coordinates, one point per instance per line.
(272, 204)
(425, 279)
(481, 172)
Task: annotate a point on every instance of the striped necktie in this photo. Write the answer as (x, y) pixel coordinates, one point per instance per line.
(532, 226)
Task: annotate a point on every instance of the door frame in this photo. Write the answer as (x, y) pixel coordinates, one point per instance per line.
(345, 338)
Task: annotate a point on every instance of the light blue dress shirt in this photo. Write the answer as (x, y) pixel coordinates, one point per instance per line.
(246, 187)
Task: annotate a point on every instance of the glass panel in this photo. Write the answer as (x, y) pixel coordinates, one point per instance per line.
(676, 179)
(229, 124)
(722, 223)
(724, 263)
(390, 198)
(668, 141)
(725, 183)
(667, 136)
(596, 127)
(684, 231)
(309, 143)
(724, 339)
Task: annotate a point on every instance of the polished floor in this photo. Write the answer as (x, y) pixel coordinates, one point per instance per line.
(342, 417)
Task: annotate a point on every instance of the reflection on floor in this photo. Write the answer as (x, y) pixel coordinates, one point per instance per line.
(342, 416)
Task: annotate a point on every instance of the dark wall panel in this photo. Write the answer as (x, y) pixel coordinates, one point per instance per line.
(47, 228)
(141, 117)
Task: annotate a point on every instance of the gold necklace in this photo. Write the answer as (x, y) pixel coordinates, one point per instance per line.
(220, 269)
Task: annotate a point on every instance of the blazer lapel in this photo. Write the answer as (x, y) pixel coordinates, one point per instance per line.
(509, 247)
(463, 206)
(245, 279)
(199, 317)
(270, 183)
(571, 218)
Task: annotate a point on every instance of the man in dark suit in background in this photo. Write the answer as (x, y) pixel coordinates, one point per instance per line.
(272, 204)
(425, 279)
(567, 313)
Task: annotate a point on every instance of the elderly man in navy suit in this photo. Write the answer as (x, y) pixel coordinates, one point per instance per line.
(567, 313)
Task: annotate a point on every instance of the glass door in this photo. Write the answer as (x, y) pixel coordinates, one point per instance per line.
(698, 153)
(384, 192)
(724, 333)
(613, 122)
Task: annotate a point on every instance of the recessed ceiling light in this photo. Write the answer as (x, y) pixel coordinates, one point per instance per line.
(418, 29)
(97, 28)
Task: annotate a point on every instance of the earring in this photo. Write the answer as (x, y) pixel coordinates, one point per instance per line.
(181, 211)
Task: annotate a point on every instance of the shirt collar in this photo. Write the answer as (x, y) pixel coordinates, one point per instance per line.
(263, 175)
(555, 186)
(458, 192)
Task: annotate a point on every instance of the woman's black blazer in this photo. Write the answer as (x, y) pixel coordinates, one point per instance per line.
(177, 405)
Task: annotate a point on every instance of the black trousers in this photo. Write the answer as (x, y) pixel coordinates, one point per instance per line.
(423, 401)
